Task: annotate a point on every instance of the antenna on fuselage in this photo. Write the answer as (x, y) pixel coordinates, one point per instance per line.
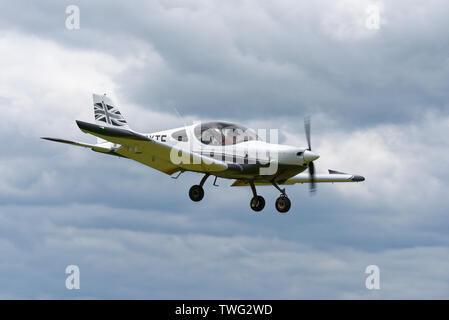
(180, 117)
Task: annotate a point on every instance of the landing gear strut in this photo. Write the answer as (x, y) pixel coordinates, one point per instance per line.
(196, 192)
(283, 203)
(257, 202)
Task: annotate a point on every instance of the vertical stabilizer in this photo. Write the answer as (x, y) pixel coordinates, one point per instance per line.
(107, 114)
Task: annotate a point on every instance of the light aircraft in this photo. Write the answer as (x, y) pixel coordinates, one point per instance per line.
(219, 149)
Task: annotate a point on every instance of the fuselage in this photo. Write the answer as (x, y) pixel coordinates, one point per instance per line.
(252, 157)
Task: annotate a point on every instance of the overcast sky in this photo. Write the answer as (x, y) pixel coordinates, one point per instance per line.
(378, 99)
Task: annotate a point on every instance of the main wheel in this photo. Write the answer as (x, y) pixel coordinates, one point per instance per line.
(283, 204)
(257, 203)
(196, 193)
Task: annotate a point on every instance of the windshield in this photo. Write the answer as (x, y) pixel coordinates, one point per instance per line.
(223, 133)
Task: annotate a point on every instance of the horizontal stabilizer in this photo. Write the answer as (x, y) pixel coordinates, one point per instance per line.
(97, 148)
(79, 144)
(109, 132)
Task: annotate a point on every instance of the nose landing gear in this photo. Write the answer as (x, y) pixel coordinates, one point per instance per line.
(283, 203)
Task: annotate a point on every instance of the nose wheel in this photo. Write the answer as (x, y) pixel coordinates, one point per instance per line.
(283, 204)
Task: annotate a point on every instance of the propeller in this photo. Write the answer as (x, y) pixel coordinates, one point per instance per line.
(307, 129)
(312, 178)
(307, 126)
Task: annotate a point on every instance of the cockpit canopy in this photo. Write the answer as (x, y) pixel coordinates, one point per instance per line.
(223, 133)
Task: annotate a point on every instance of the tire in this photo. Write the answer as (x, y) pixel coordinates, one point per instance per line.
(196, 193)
(283, 204)
(257, 203)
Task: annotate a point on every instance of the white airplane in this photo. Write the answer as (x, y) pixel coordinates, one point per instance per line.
(220, 149)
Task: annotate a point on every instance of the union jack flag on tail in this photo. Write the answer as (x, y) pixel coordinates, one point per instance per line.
(107, 113)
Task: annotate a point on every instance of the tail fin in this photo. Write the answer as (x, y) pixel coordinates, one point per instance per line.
(107, 114)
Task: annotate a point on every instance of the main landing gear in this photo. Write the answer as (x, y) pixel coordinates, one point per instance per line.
(196, 192)
(257, 203)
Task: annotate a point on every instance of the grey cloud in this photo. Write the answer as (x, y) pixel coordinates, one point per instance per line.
(119, 263)
(225, 60)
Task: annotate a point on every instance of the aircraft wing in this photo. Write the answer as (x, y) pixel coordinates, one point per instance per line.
(150, 152)
(333, 176)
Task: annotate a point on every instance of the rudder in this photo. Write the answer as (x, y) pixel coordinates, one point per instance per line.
(107, 113)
